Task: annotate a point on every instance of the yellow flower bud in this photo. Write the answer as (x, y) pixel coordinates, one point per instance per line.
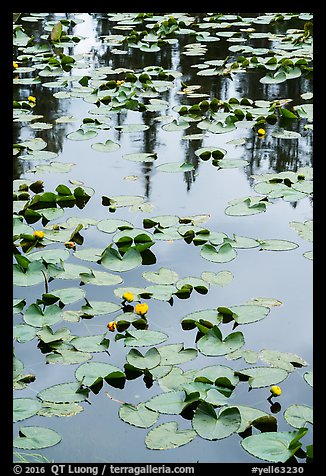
(261, 132)
(119, 82)
(38, 234)
(31, 99)
(112, 325)
(70, 244)
(141, 309)
(128, 296)
(15, 64)
(275, 391)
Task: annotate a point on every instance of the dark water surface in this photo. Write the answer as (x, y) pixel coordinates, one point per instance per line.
(97, 434)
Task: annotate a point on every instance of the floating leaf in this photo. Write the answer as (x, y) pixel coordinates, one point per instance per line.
(167, 436)
(35, 317)
(298, 415)
(247, 313)
(206, 317)
(138, 415)
(60, 409)
(149, 360)
(282, 360)
(25, 408)
(64, 393)
(222, 278)
(24, 332)
(107, 146)
(246, 206)
(69, 295)
(144, 338)
(284, 134)
(171, 403)
(304, 230)
(224, 254)
(263, 376)
(96, 308)
(113, 260)
(175, 167)
(89, 254)
(100, 278)
(308, 376)
(31, 276)
(277, 245)
(210, 426)
(80, 134)
(95, 343)
(174, 354)
(132, 127)
(162, 276)
(213, 344)
(276, 447)
(91, 373)
(36, 437)
(110, 225)
(308, 255)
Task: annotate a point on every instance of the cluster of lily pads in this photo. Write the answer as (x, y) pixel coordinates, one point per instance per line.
(206, 397)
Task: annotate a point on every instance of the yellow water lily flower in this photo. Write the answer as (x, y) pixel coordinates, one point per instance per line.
(128, 296)
(261, 132)
(275, 391)
(39, 234)
(70, 244)
(15, 64)
(119, 82)
(31, 99)
(141, 309)
(112, 325)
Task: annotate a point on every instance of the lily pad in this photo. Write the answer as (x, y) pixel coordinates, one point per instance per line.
(276, 447)
(175, 167)
(138, 415)
(212, 343)
(174, 354)
(80, 134)
(167, 436)
(224, 254)
(263, 376)
(114, 261)
(35, 317)
(64, 393)
(144, 338)
(308, 376)
(149, 360)
(162, 276)
(277, 245)
(222, 278)
(211, 426)
(91, 373)
(96, 308)
(95, 343)
(107, 146)
(36, 437)
(298, 415)
(25, 408)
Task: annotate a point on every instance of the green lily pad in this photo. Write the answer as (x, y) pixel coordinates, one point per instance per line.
(35, 317)
(308, 255)
(110, 225)
(263, 376)
(222, 278)
(25, 408)
(99, 278)
(211, 426)
(60, 409)
(299, 415)
(167, 436)
(149, 360)
(282, 360)
(64, 393)
(144, 338)
(31, 276)
(132, 127)
(284, 134)
(36, 437)
(174, 354)
(69, 295)
(206, 317)
(175, 167)
(304, 230)
(96, 308)
(95, 343)
(162, 276)
(246, 206)
(224, 254)
(171, 403)
(24, 332)
(114, 261)
(88, 254)
(276, 447)
(212, 343)
(91, 373)
(247, 313)
(48, 336)
(107, 146)
(66, 356)
(80, 134)
(277, 245)
(138, 415)
(308, 376)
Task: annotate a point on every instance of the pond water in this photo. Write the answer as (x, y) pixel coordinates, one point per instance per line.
(97, 434)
